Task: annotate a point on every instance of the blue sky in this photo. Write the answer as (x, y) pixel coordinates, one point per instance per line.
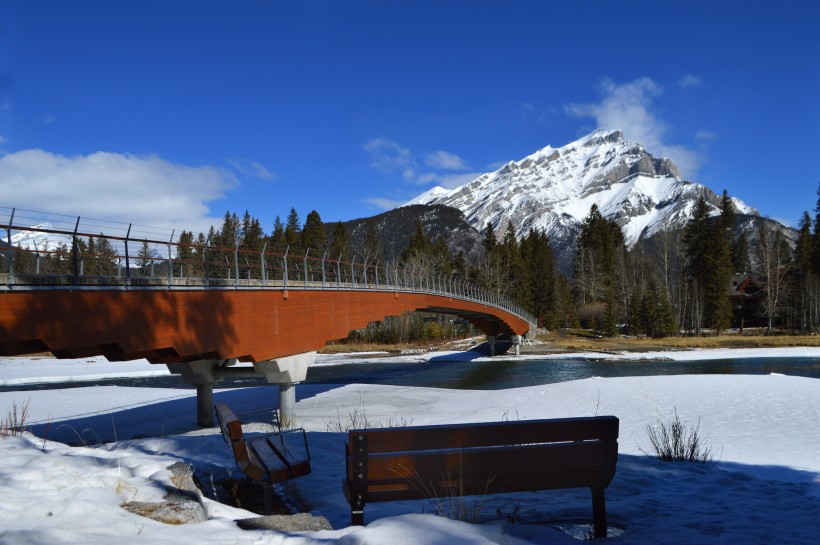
(171, 113)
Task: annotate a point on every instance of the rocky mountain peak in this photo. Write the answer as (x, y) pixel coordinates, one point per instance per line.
(554, 188)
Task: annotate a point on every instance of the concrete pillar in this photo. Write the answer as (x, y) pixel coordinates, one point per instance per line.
(516, 342)
(205, 405)
(286, 372)
(287, 404)
(491, 343)
(201, 374)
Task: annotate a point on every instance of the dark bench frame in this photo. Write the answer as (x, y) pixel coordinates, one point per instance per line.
(426, 462)
(265, 458)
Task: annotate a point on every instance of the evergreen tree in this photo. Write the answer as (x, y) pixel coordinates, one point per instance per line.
(490, 241)
(740, 254)
(599, 270)
(314, 235)
(293, 232)
(277, 238)
(144, 259)
(805, 277)
(537, 286)
(696, 242)
(340, 245)
(718, 307)
(185, 254)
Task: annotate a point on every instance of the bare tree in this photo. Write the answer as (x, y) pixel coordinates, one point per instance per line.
(773, 254)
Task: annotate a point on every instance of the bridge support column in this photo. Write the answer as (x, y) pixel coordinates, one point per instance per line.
(516, 342)
(491, 344)
(201, 374)
(286, 372)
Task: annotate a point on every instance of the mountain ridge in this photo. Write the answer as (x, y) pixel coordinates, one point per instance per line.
(554, 188)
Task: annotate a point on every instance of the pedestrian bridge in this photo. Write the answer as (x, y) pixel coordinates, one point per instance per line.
(272, 318)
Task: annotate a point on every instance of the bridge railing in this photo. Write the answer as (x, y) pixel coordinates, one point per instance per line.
(59, 252)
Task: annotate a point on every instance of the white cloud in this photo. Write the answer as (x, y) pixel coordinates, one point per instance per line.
(628, 107)
(3, 139)
(690, 82)
(444, 160)
(252, 168)
(526, 110)
(145, 190)
(385, 204)
(705, 136)
(388, 156)
(448, 181)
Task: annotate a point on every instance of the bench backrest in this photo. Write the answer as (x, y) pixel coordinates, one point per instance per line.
(231, 428)
(520, 432)
(468, 459)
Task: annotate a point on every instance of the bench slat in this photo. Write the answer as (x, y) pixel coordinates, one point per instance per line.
(489, 434)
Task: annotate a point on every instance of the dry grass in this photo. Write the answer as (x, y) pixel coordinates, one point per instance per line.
(582, 340)
(344, 348)
(14, 424)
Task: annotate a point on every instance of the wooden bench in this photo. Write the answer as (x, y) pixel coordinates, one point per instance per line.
(431, 462)
(267, 458)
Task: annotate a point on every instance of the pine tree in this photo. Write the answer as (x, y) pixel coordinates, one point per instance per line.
(805, 276)
(340, 245)
(144, 259)
(277, 238)
(490, 241)
(185, 254)
(740, 254)
(293, 233)
(314, 235)
(696, 243)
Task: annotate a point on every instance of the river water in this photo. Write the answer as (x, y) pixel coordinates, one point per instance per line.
(496, 374)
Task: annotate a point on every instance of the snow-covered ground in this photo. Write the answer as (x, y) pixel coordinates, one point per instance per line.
(765, 487)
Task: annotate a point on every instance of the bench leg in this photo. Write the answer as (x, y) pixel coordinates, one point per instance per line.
(267, 498)
(357, 518)
(599, 512)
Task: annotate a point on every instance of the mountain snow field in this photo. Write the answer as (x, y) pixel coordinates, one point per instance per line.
(763, 488)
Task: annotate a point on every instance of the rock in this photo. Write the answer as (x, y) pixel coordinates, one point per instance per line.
(177, 509)
(182, 476)
(182, 505)
(301, 522)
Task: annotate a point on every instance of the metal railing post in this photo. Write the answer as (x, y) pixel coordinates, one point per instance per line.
(74, 252)
(285, 273)
(339, 272)
(352, 273)
(323, 269)
(306, 267)
(12, 251)
(235, 265)
(170, 259)
(262, 263)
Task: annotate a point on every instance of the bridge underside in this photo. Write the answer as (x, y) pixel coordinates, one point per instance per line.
(168, 326)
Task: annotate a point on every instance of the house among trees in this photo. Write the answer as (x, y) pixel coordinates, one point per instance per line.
(746, 295)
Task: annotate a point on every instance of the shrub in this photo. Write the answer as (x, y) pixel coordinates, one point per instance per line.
(15, 421)
(674, 442)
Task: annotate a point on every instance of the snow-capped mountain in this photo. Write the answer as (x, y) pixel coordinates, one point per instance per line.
(39, 241)
(554, 188)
